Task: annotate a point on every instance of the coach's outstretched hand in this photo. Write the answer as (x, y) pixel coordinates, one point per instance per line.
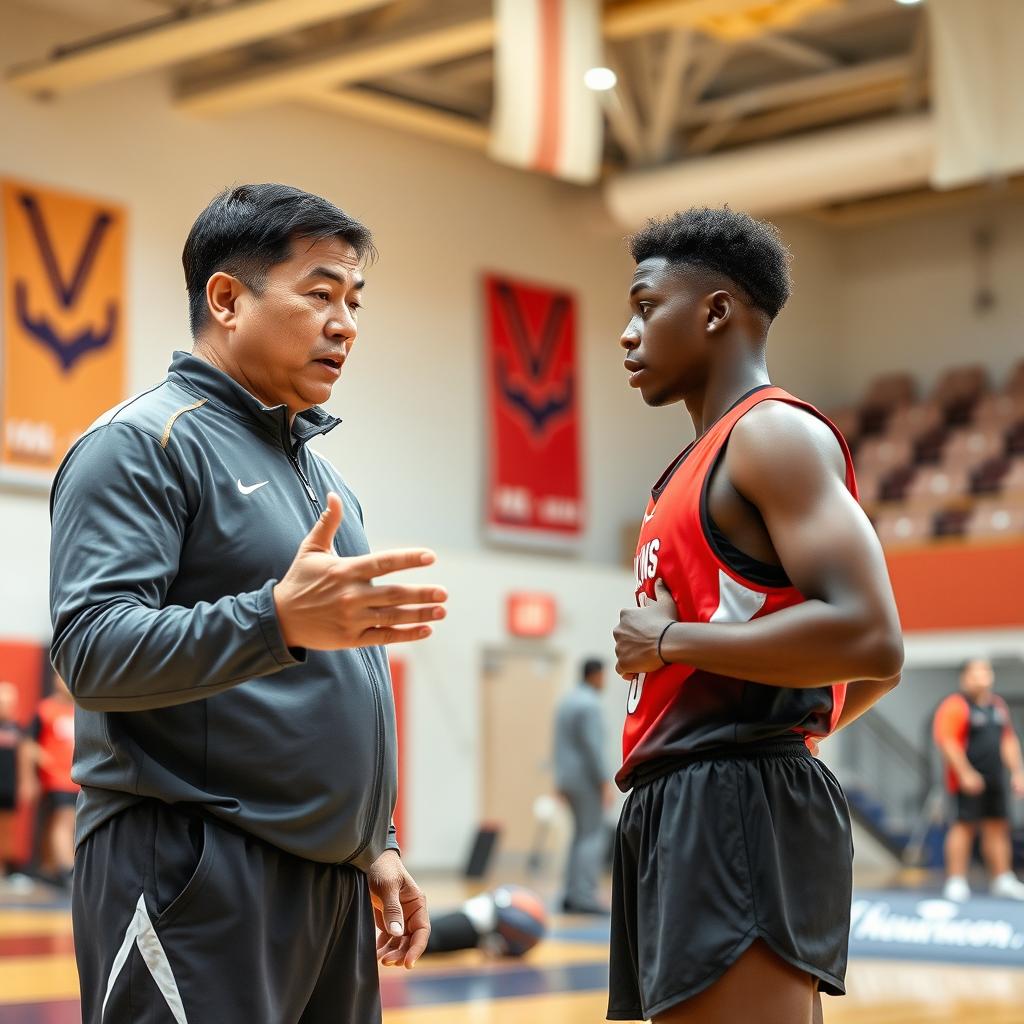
(326, 602)
(400, 912)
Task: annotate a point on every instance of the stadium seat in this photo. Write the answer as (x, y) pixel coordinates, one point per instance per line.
(996, 518)
(1000, 410)
(937, 483)
(970, 447)
(900, 526)
(914, 421)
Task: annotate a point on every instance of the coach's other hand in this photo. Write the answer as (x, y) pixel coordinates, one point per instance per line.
(326, 602)
(639, 629)
(400, 912)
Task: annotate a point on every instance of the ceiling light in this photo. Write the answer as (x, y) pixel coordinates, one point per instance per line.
(600, 79)
(908, 3)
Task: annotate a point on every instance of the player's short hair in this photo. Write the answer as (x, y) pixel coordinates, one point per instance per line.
(247, 229)
(592, 666)
(749, 252)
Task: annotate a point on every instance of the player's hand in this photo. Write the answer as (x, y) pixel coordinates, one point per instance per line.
(1017, 783)
(636, 635)
(972, 782)
(400, 912)
(327, 603)
(813, 744)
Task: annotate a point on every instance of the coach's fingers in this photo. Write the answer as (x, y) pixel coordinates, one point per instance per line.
(393, 635)
(321, 536)
(369, 567)
(394, 594)
(380, 617)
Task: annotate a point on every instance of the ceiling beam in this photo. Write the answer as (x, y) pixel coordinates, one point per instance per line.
(814, 113)
(922, 202)
(429, 41)
(793, 52)
(806, 87)
(620, 110)
(403, 115)
(665, 108)
(411, 45)
(639, 17)
(171, 40)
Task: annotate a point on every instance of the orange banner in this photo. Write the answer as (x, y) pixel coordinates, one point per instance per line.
(64, 321)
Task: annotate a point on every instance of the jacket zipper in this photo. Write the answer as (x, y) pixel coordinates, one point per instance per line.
(378, 708)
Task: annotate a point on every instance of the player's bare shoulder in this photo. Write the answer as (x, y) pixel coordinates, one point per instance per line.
(778, 446)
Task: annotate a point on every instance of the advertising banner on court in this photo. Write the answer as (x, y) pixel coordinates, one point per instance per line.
(535, 481)
(901, 925)
(64, 322)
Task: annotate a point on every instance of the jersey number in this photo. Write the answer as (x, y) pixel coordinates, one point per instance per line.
(635, 693)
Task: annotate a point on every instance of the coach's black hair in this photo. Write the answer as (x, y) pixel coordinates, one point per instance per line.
(747, 251)
(247, 229)
(591, 667)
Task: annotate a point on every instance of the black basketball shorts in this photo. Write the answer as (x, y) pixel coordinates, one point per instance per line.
(719, 849)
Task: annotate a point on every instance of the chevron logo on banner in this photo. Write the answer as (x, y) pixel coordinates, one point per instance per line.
(63, 329)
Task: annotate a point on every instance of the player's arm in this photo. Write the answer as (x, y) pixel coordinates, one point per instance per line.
(1009, 748)
(789, 465)
(862, 695)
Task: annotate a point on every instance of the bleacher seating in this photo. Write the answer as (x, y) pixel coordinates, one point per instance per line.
(949, 464)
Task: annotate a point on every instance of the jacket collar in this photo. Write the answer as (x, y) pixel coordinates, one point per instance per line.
(216, 386)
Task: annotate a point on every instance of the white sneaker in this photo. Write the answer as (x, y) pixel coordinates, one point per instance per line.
(956, 890)
(1008, 887)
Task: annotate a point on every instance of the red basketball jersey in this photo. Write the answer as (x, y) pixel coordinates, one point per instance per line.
(678, 709)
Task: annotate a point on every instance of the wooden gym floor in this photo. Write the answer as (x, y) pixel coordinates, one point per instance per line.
(562, 981)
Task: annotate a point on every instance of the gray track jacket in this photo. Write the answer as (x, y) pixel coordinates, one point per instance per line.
(172, 518)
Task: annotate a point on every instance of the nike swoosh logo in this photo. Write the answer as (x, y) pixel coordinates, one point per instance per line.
(251, 487)
(648, 518)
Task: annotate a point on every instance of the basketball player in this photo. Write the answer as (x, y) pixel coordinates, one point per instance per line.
(216, 620)
(760, 587)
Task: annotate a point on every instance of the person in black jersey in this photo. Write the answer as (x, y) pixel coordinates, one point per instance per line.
(979, 745)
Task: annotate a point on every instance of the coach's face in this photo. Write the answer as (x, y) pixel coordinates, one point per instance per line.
(668, 338)
(288, 340)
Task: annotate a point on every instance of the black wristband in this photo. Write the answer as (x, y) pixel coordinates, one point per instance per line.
(662, 637)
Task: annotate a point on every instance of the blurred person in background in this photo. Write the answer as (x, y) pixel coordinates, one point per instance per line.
(582, 779)
(17, 784)
(53, 750)
(979, 746)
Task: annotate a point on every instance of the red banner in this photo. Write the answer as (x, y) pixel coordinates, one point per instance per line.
(535, 489)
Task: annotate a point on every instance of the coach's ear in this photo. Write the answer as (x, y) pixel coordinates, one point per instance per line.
(720, 305)
(222, 294)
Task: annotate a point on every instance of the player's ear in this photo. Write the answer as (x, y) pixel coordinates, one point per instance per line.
(719, 306)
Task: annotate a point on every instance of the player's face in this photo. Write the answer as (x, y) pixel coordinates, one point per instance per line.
(666, 337)
(291, 339)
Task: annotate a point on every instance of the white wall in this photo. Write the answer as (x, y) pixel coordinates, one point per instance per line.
(907, 295)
